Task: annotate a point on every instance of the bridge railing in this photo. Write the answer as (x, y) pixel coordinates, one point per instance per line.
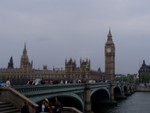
(39, 92)
(17, 99)
(32, 89)
(71, 110)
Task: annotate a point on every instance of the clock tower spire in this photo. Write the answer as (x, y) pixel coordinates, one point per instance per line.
(109, 58)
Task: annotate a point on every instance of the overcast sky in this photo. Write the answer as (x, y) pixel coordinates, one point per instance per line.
(55, 30)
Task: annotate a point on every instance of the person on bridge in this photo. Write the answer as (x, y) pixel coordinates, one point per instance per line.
(43, 106)
(25, 108)
(58, 106)
(48, 106)
(8, 82)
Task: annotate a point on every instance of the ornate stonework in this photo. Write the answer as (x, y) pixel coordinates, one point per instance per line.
(71, 72)
(109, 58)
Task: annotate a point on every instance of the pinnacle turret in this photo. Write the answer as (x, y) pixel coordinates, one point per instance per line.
(24, 63)
(109, 34)
(10, 63)
(109, 38)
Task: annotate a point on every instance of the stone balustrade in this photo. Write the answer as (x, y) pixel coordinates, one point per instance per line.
(17, 99)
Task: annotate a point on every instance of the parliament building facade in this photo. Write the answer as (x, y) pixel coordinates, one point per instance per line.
(71, 72)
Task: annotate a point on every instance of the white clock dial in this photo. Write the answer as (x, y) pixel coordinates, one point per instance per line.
(108, 50)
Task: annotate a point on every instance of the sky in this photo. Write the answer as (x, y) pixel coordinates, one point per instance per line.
(55, 30)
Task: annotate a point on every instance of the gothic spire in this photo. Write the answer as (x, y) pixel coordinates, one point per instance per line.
(109, 35)
(25, 50)
(24, 63)
(109, 38)
(10, 63)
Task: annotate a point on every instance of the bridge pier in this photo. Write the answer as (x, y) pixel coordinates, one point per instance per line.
(112, 92)
(122, 92)
(128, 93)
(87, 102)
(112, 98)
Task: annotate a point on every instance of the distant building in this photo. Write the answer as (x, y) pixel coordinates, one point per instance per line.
(26, 72)
(71, 72)
(144, 73)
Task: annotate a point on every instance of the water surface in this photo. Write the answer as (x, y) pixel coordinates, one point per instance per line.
(139, 102)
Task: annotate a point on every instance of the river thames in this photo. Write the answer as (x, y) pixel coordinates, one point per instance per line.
(138, 102)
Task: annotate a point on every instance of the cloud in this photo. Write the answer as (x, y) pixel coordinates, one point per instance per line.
(59, 29)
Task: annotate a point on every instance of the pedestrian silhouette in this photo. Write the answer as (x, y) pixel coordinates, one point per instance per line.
(25, 108)
(58, 106)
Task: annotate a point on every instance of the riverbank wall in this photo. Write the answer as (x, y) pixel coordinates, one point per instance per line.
(143, 89)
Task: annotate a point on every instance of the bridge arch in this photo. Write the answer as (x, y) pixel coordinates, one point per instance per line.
(99, 97)
(117, 92)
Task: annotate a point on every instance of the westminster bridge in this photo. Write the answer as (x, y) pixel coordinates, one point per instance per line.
(80, 96)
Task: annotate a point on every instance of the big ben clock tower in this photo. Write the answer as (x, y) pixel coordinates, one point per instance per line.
(109, 58)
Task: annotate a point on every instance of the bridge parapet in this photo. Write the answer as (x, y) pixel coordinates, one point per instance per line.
(11, 95)
(34, 88)
(38, 93)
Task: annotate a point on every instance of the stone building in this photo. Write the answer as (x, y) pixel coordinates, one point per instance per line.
(26, 72)
(109, 58)
(83, 72)
(71, 72)
(144, 73)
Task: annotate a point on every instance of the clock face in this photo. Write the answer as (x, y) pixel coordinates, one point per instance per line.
(108, 50)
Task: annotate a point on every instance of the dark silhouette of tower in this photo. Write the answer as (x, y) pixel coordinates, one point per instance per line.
(10, 63)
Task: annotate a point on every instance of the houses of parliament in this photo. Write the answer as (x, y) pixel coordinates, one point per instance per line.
(71, 72)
